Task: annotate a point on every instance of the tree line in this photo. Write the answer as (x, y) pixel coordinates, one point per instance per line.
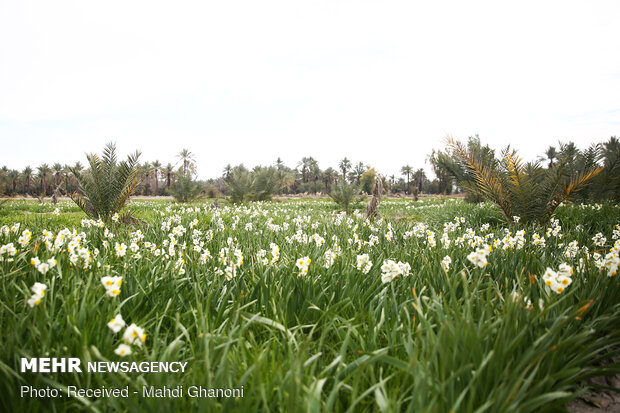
(307, 177)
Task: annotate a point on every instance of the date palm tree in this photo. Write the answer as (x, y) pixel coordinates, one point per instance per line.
(227, 171)
(344, 194)
(358, 171)
(419, 177)
(13, 176)
(43, 170)
(188, 162)
(156, 168)
(106, 186)
(344, 165)
(57, 170)
(526, 190)
(406, 171)
(551, 155)
(330, 175)
(168, 172)
(145, 171)
(27, 174)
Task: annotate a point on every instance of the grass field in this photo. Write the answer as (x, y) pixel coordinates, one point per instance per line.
(438, 306)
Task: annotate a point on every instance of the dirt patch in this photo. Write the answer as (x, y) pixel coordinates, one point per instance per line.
(602, 398)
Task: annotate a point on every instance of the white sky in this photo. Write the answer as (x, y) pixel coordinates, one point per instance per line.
(381, 82)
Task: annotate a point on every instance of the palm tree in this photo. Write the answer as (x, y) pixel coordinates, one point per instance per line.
(188, 161)
(78, 167)
(156, 167)
(43, 169)
(551, 154)
(358, 171)
(66, 169)
(521, 189)
(227, 171)
(168, 172)
(27, 173)
(308, 166)
(419, 177)
(315, 173)
(406, 170)
(330, 175)
(13, 175)
(344, 166)
(285, 177)
(146, 170)
(568, 155)
(57, 169)
(107, 186)
(279, 164)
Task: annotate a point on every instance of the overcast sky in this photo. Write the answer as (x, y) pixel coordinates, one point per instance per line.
(381, 82)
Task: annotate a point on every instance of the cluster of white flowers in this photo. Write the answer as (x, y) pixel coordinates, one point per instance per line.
(418, 231)
(517, 242)
(112, 285)
(330, 257)
(133, 335)
(363, 263)
(391, 270)
(275, 253)
(87, 223)
(231, 257)
(611, 262)
(599, 240)
(479, 257)
(318, 240)
(121, 249)
(538, 240)
(78, 255)
(43, 267)
(572, 249)
(9, 250)
(445, 263)
(38, 290)
(558, 281)
(303, 264)
(555, 229)
(261, 257)
(389, 235)
(25, 238)
(430, 239)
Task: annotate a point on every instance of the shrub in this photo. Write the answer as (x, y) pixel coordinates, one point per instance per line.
(344, 194)
(185, 188)
(258, 185)
(526, 190)
(106, 186)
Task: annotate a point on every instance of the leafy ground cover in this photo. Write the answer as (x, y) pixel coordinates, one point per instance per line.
(437, 306)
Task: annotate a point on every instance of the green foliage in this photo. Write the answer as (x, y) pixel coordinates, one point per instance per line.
(106, 186)
(526, 190)
(185, 188)
(257, 185)
(344, 194)
(605, 186)
(367, 180)
(334, 340)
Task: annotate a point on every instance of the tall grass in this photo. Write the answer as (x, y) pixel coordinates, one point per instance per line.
(334, 340)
